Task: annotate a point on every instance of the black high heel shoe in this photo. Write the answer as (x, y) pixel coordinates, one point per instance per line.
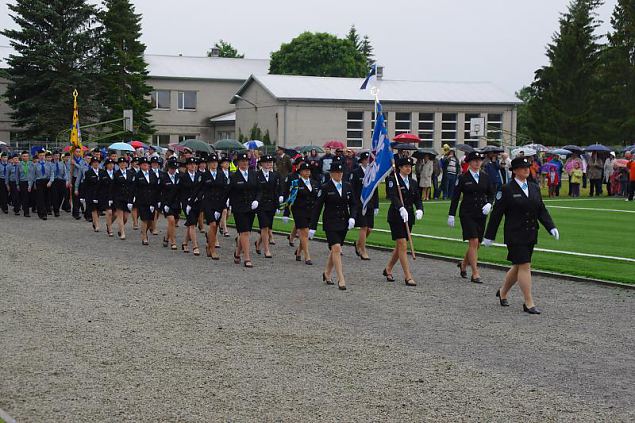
(463, 272)
(388, 276)
(475, 280)
(328, 281)
(532, 310)
(503, 301)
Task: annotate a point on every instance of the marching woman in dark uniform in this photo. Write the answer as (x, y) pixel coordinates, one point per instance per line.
(364, 221)
(170, 201)
(146, 197)
(270, 189)
(244, 199)
(125, 180)
(107, 192)
(134, 167)
(302, 209)
(522, 206)
(401, 214)
(190, 183)
(90, 185)
(214, 191)
(293, 176)
(155, 166)
(223, 164)
(478, 195)
(340, 205)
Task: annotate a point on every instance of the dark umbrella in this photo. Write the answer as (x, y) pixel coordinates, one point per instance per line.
(598, 148)
(308, 148)
(420, 153)
(492, 149)
(403, 146)
(574, 149)
(291, 152)
(228, 144)
(464, 148)
(197, 145)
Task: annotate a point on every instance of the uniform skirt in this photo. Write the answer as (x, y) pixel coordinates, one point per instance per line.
(365, 220)
(520, 253)
(473, 227)
(208, 214)
(335, 237)
(176, 212)
(302, 218)
(192, 218)
(244, 221)
(144, 212)
(398, 229)
(265, 218)
(121, 205)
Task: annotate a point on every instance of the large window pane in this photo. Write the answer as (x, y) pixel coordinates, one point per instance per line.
(187, 100)
(354, 129)
(160, 99)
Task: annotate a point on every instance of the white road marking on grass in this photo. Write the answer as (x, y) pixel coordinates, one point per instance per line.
(496, 244)
(591, 208)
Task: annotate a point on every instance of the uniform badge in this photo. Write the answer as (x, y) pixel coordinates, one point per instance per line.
(499, 195)
(319, 192)
(390, 184)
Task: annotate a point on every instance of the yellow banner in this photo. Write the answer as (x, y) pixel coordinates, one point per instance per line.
(76, 133)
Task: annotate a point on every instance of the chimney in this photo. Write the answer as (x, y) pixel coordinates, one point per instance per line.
(215, 52)
(380, 72)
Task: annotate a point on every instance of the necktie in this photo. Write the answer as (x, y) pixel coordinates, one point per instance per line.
(338, 186)
(524, 186)
(42, 169)
(406, 182)
(123, 174)
(266, 176)
(214, 175)
(172, 179)
(245, 175)
(476, 176)
(57, 169)
(307, 182)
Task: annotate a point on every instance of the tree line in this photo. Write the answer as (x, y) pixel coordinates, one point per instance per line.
(586, 92)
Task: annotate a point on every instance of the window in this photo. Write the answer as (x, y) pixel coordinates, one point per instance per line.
(402, 123)
(448, 129)
(186, 137)
(160, 139)
(187, 100)
(466, 130)
(161, 99)
(372, 122)
(354, 129)
(494, 126)
(426, 130)
(223, 135)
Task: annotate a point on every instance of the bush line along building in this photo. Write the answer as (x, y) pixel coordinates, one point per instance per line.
(212, 98)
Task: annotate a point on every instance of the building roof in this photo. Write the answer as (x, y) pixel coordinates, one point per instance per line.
(314, 88)
(226, 117)
(190, 67)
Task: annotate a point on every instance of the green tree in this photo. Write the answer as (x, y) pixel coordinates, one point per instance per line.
(523, 118)
(266, 139)
(367, 50)
(318, 54)
(353, 37)
(124, 74)
(56, 45)
(255, 133)
(226, 50)
(617, 75)
(563, 107)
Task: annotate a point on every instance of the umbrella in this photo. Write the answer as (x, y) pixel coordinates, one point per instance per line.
(537, 147)
(334, 145)
(620, 163)
(559, 152)
(307, 148)
(574, 149)
(464, 148)
(491, 149)
(68, 148)
(137, 144)
(228, 144)
(547, 167)
(3, 143)
(176, 147)
(598, 148)
(291, 152)
(253, 144)
(197, 145)
(526, 152)
(403, 146)
(423, 151)
(629, 148)
(121, 146)
(404, 138)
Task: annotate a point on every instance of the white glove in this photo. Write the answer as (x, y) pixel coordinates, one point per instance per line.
(487, 242)
(227, 203)
(166, 209)
(254, 205)
(188, 209)
(83, 201)
(554, 233)
(404, 214)
(151, 209)
(376, 212)
(311, 233)
(95, 201)
(129, 206)
(451, 221)
(419, 214)
(281, 199)
(159, 205)
(351, 223)
(216, 215)
(109, 203)
(486, 209)
(285, 219)
(134, 199)
(278, 211)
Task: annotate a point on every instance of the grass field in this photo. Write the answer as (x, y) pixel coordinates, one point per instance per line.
(595, 226)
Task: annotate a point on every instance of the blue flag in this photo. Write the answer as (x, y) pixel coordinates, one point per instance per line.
(381, 164)
(371, 73)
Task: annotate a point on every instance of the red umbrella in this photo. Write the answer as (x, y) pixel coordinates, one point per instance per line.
(334, 145)
(620, 163)
(68, 148)
(177, 147)
(407, 138)
(137, 144)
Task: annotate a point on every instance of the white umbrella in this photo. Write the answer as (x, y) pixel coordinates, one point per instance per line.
(3, 143)
(253, 144)
(121, 146)
(525, 150)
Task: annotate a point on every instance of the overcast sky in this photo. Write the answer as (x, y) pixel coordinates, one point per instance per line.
(501, 41)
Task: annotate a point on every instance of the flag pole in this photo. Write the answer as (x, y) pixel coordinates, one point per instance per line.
(375, 92)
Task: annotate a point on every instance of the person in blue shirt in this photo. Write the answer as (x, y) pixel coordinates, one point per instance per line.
(41, 179)
(4, 182)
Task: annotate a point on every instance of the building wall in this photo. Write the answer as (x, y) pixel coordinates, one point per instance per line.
(6, 124)
(212, 99)
(268, 114)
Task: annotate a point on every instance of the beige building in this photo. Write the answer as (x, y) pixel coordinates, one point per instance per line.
(6, 124)
(307, 110)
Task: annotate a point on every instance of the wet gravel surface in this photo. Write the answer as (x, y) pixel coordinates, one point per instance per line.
(98, 329)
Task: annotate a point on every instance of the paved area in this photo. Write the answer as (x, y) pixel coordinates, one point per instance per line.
(98, 329)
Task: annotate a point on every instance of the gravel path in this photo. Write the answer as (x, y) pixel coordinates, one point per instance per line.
(100, 329)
